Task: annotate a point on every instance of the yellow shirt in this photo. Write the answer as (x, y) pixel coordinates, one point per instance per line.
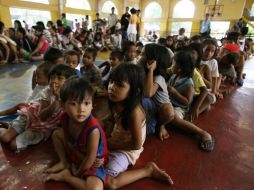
(198, 82)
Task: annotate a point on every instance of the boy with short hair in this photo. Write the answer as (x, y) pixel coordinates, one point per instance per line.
(72, 59)
(89, 70)
(81, 138)
(37, 120)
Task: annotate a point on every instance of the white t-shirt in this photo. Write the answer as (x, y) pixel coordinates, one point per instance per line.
(161, 96)
(117, 40)
(213, 65)
(112, 19)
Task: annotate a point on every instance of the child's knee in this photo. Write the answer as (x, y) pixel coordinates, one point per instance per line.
(111, 183)
(58, 134)
(166, 112)
(7, 136)
(13, 144)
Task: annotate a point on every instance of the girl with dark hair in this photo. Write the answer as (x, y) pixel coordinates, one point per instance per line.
(180, 85)
(17, 24)
(155, 59)
(202, 80)
(40, 44)
(25, 44)
(128, 132)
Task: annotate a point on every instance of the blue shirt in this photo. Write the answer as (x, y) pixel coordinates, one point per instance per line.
(205, 26)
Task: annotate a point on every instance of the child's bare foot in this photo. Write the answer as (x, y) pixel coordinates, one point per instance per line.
(206, 142)
(157, 173)
(163, 134)
(57, 167)
(58, 176)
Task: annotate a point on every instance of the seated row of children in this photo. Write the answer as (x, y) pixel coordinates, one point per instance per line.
(18, 44)
(140, 100)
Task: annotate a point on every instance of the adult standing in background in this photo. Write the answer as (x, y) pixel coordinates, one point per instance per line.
(64, 20)
(138, 24)
(125, 22)
(85, 23)
(97, 23)
(112, 19)
(132, 28)
(206, 26)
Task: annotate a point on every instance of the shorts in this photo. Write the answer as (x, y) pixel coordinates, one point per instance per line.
(212, 98)
(179, 112)
(25, 137)
(27, 55)
(118, 162)
(98, 172)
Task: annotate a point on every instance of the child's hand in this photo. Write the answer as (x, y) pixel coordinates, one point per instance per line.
(98, 162)
(171, 90)
(74, 170)
(219, 95)
(151, 65)
(56, 91)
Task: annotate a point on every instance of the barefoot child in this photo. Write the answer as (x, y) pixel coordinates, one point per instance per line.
(127, 134)
(155, 59)
(80, 140)
(37, 120)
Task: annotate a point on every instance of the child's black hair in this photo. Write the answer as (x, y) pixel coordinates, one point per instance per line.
(61, 70)
(134, 75)
(199, 49)
(41, 24)
(184, 61)
(139, 44)
(1, 27)
(231, 58)
(75, 88)
(67, 30)
(72, 53)
(244, 30)
(52, 54)
(161, 55)
(126, 45)
(195, 38)
(162, 41)
(21, 30)
(118, 54)
(45, 67)
(93, 51)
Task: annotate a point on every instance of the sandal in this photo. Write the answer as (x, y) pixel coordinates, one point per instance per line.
(207, 145)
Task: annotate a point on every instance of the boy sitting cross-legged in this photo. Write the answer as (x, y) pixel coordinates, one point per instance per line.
(80, 140)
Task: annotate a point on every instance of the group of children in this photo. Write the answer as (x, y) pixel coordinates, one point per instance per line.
(149, 89)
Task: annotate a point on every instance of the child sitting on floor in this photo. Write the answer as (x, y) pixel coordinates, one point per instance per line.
(42, 82)
(155, 59)
(202, 80)
(72, 59)
(52, 56)
(115, 58)
(180, 85)
(129, 51)
(126, 135)
(81, 139)
(37, 120)
(89, 69)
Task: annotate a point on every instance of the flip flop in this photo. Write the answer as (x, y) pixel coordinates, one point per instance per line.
(207, 145)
